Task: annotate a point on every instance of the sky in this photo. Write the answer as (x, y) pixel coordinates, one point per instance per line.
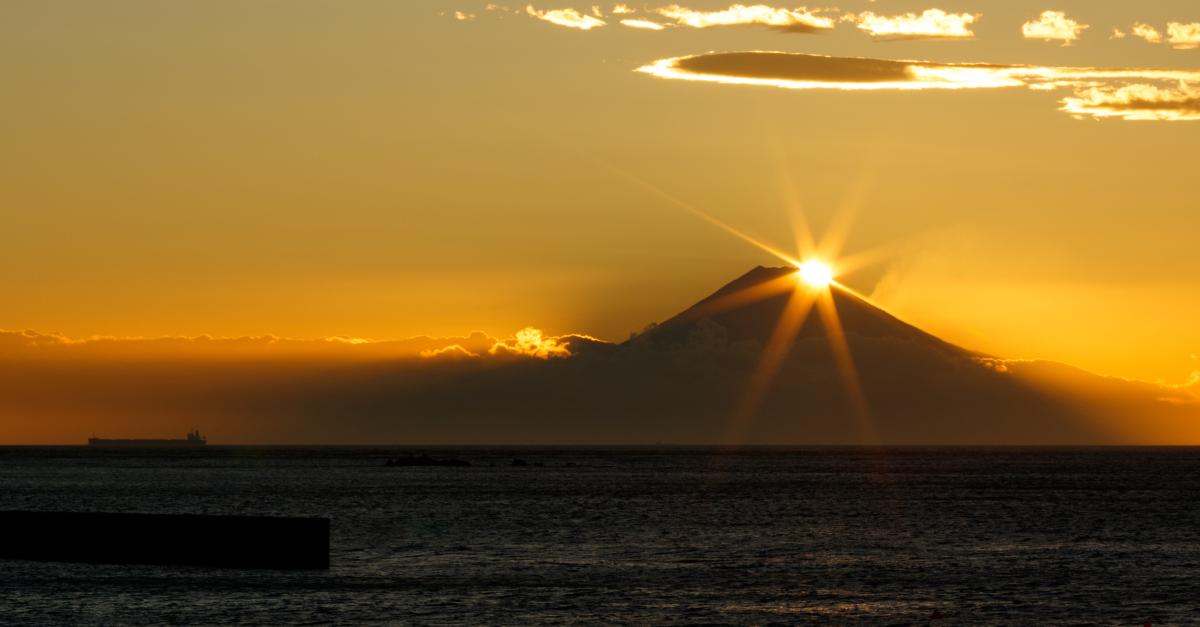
(384, 169)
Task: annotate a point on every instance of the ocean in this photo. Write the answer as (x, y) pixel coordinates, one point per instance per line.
(641, 535)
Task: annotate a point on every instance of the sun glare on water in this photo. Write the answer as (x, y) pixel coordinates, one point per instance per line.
(816, 273)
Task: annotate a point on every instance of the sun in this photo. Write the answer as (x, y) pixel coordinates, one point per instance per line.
(816, 273)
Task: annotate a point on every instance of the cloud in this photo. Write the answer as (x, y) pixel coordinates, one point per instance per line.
(569, 18)
(931, 24)
(454, 351)
(1136, 102)
(22, 340)
(1096, 89)
(788, 70)
(643, 24)
(34, 345)
(798, 20)
(1147, 32)
(1053, 26)
(640, 392)
(1184, 36)
(463, 17)
(1181, 36)
(623, 9)
(681, 381)
(531, 343)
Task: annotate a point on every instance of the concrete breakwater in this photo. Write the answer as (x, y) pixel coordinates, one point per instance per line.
(166, 539)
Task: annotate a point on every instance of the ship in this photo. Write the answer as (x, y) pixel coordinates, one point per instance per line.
(193, 439)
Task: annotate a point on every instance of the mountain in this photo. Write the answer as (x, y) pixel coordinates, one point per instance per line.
(915, 388)
(703, 376)
(907, 386)
(718, 372)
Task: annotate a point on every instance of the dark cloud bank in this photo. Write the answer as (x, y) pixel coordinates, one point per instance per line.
(680, 382)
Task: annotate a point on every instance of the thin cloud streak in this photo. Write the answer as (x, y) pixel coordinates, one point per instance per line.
(799, 20)
(931, 24)
(1137, 102)
(643, 24)
(528, 342)
(1099, 92)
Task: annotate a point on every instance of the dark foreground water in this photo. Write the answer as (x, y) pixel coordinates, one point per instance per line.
(835, 536)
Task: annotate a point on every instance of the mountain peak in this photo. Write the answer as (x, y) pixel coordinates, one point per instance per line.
(750, 306)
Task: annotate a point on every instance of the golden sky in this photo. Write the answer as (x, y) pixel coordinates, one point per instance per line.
(386, 169)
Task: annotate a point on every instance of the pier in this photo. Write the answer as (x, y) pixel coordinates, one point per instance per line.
(166, 539)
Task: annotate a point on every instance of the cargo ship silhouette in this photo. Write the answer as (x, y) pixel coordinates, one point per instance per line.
(194, 439)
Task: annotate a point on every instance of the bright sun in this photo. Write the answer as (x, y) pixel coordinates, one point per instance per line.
(816, 273)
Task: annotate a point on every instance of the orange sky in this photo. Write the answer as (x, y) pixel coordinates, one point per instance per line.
(384, 169)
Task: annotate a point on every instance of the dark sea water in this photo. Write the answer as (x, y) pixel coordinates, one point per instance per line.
(830, 536)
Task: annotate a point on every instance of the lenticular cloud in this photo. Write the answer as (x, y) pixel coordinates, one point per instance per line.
(1121, 93)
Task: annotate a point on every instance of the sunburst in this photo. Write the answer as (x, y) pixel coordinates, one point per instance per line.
(818, 264)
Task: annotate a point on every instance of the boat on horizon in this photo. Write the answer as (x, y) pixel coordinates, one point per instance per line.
(193, 440)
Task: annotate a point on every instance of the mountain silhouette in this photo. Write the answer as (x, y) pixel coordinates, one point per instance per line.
(690, 376)
(700, 377)
(718, 372)
(906, 386)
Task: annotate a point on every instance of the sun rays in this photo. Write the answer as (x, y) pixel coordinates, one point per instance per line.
(774, 354)
(836, 337)
(699, 213)
(818, 263)
(814, 287)
(816, 274)
(811, 287)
